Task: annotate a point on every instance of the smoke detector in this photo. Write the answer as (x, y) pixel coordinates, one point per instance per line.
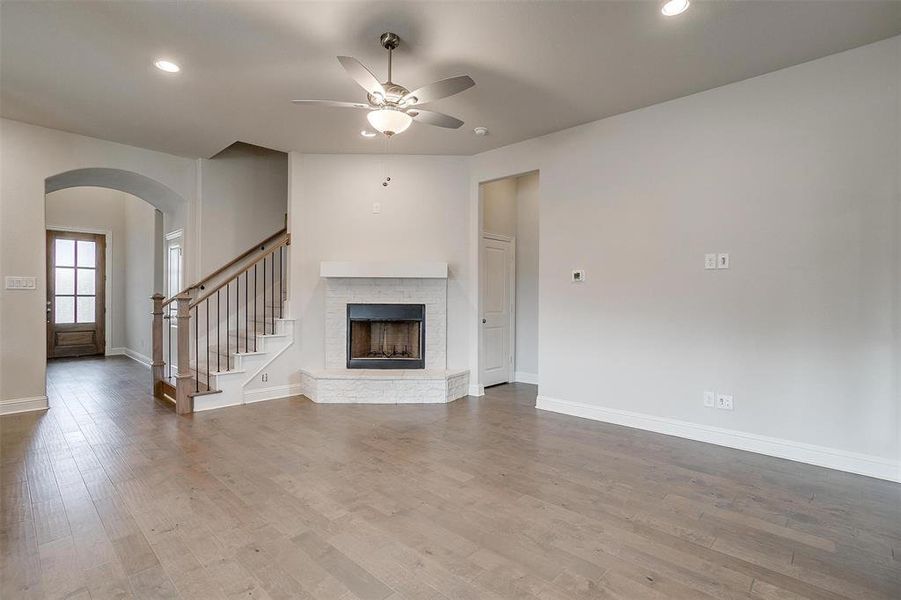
(480, 131)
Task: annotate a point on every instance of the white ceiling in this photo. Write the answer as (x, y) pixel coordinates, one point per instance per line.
(539, 66)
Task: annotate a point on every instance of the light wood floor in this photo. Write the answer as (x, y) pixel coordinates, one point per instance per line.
(109, 494)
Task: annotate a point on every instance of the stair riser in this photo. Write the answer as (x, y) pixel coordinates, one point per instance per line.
(246, 367)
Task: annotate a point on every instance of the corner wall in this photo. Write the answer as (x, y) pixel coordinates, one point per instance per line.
(423, 215)
(795, 174)
(28, 156)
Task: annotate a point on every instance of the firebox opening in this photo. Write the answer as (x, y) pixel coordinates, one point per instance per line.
(385, 336)
(385, 339)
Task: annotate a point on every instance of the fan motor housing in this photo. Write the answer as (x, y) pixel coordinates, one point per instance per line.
(393, 94)
(389, 41)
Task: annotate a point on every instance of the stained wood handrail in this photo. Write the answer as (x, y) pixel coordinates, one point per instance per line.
(286, 241)
(255, 248)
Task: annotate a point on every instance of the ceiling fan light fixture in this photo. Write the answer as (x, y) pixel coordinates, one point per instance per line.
(675, 7)
(389, 120)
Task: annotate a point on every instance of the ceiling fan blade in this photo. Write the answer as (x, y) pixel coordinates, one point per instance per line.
(361, 75)
(439, 89)
(435, 118)
(332, 103)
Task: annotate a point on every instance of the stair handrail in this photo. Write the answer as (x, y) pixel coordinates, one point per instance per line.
(286, 241)
(260, 246)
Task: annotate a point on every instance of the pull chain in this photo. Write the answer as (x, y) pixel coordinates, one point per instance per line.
(385, 164)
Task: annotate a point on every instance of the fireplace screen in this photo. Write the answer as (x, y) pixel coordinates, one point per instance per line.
(385, 336)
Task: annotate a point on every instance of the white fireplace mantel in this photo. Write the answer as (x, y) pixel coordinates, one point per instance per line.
(378, 270)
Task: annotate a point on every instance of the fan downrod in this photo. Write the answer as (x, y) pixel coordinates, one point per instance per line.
(389, 41)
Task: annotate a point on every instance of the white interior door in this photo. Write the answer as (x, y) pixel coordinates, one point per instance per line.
(496, 290)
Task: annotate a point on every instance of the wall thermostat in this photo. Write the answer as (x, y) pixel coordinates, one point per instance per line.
(578, 276)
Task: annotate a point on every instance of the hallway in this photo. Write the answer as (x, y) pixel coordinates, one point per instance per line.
(109, 494)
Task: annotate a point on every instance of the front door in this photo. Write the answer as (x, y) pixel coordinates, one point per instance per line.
(75, 294)
(496, 291)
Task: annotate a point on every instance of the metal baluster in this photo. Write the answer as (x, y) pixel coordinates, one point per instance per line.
(255, 307)
(207, 303)
(281, 278)
(218, 320)
(264, 295)
(246, 304)
(272, 293)
(196, 349)
(169, 323)
(228, 323)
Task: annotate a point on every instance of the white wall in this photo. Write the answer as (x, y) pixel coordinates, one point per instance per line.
(143, 273)
(28, 155)
(510, 207)
(499, 206)
(423, 217)
(244, 199)
(795, 173)
(527, 286)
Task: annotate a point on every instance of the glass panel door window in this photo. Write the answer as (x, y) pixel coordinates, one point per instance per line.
(75, 278)
(173, 283)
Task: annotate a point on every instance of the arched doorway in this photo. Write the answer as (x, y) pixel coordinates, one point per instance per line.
(133, 265)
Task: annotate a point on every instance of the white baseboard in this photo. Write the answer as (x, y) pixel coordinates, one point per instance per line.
(523, 377)
(144, 360)
(136, 356)
(272, 393)
(832, 458)
(20, 405)
(476, 390)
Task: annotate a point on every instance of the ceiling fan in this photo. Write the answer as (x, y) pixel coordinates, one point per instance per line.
(391, 106)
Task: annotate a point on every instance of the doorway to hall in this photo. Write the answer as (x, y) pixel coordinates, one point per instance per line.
(508, 281)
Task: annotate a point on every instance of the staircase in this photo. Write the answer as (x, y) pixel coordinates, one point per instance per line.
(218, 334)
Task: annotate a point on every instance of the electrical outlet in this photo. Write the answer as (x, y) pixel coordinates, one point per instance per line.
(722, 260)
(709, 399)
(265, 377)
(710, 261)
(724, 401)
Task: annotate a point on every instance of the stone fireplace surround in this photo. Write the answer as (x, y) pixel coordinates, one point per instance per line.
(384, 283)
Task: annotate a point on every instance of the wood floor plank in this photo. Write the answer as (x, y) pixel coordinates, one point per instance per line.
(110, 495)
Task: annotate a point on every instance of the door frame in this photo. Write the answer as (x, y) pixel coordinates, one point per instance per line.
(108, 350)
(511, 364)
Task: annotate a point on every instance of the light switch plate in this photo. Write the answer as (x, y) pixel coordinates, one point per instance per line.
(20, 283)
(578, 276)
(710, 261)
(709, 399)
(722, 260)
(376, 208)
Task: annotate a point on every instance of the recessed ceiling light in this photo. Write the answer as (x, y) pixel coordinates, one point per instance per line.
(480, 131)
(369, 134)
(675, 7)
(167, 66)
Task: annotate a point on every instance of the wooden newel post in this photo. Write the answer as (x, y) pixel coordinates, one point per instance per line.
(184, 381)
(157, 365)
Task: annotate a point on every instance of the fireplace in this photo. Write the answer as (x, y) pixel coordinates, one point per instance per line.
(385, 336)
